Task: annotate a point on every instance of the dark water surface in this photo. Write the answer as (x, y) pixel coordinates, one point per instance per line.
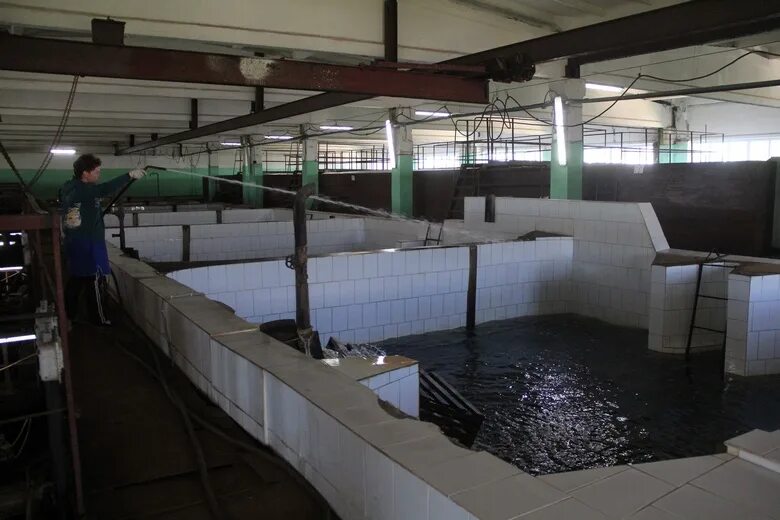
(562, 393)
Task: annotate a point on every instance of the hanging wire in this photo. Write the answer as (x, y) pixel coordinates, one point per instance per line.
(58, 134)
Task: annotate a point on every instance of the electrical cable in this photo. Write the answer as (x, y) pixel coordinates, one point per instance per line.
(58, 134)
(18, 361)
(265, 454)
(695, 78)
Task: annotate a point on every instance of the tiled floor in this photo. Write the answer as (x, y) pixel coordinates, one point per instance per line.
(719, 487)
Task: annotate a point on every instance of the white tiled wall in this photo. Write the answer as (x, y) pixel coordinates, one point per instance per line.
(614, 246)
(158, 243)
(317, 419)
(357, 298)
(672, 293)
(163, 216)
(177, 218)
(753, 343)
(272, 239)
(523, 278)
(399, 387)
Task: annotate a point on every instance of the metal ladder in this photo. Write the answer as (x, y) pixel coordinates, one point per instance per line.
(467, 180)
(429, 240)
(716, 261)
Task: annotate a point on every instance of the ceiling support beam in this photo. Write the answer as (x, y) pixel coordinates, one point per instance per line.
(690, 23)
(25, 54)
(193, 113)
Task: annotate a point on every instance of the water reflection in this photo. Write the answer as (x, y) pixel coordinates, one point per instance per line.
(561, 393)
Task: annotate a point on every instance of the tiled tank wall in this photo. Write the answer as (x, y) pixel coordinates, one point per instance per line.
(523, 278)
(672, 293)
(357, 298)
(367, 464)
(400, 387)
(164, 216)
(614, 246)
(242, 240)
(753, 343)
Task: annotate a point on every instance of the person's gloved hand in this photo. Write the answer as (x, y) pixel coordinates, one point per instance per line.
(137, 174)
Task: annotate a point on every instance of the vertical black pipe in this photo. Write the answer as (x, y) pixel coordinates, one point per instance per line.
(471, 301)
(391, 30)
(300, 258)
(121, 214)
(185, 243)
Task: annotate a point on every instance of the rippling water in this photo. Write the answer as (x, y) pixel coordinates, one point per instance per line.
(562, 393)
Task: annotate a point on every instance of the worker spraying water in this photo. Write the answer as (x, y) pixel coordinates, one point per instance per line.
(85, 246)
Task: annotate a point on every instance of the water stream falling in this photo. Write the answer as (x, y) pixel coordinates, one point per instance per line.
(355, 207)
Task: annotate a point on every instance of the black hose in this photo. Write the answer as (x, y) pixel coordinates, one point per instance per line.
(263, 453)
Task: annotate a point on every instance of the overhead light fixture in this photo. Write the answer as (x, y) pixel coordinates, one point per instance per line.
(279, 137)
(343, 128)
(230, 144)
(390, 145)
(560, 131)
(63, 151)
(12, 268)
(605, 88)
(17, 339)
(425, 113)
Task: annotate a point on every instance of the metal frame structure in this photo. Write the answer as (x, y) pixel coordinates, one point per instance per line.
(27, 54)
(38, 221)
(689, 23)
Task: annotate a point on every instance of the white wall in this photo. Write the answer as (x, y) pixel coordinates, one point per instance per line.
(672, 294)
(523, 278)
(365, 463)
(357, 298)
(753, 343)
(614, 247)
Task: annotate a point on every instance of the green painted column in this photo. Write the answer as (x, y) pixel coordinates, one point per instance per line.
(675, 153)
(253, 174)
(566, 181)
(401, 185)
(566, 178)
(401, 180)
(310, 169)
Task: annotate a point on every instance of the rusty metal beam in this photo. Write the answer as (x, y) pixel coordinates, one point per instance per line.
(25, 54)
(689, 23)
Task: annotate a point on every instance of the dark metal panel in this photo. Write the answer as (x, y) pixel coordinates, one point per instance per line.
(391, 30)
(27, 54)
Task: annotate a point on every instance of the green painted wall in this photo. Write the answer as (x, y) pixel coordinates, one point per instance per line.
(566, 181)
(401, 186)
(164, 184)
(254, 196)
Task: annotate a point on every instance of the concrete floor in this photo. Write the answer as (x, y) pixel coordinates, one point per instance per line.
(137, 459)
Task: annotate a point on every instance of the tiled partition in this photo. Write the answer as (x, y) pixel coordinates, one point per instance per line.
(357, 298)
(672, 294)
(165, 217)
(240, 240)
(367, 464)
(523, 278)
(614, 247)
(753, 343)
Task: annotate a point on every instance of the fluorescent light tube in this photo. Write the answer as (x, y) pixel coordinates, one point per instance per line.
(328, 127)
(63, 151)
(230, 144)
(605, 88)
(560, 131)
(431, 114)
(279, 137)
(390, 144)
(17, 339)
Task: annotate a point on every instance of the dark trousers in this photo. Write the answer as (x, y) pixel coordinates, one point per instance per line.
(91, 289)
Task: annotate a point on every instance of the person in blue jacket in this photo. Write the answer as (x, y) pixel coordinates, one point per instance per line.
(85, 245)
